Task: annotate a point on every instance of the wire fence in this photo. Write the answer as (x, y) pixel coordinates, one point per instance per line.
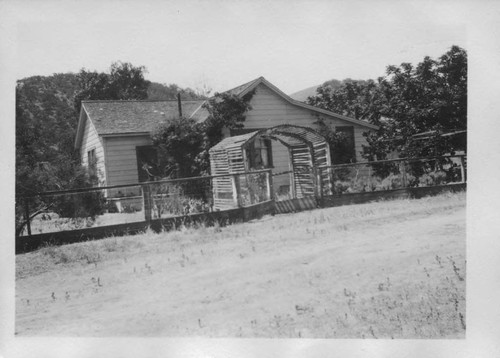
(142, 202)
(112, 205)
(395, 174)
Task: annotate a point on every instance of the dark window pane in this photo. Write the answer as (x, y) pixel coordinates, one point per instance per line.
(147, 163)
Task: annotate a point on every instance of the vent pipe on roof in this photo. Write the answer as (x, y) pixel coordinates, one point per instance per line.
(179, 104)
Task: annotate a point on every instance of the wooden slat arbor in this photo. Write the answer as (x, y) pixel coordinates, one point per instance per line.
(307, 150)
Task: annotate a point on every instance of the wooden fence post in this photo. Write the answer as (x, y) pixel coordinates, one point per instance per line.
(462, 169)
(319, 181)
(403, 174)
(269, 181)
(236, 190)
(146, 202)
(27, 215)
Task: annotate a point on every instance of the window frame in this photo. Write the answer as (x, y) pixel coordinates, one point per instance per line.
(92, 162)
(252, 150)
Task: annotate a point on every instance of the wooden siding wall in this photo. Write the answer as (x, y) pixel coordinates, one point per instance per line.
(91, 141)
(121, 159)
(269, 110)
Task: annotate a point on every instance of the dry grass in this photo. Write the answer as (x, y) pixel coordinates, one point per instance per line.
(392, 269)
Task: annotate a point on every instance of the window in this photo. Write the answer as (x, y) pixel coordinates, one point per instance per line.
(260, 154)
(346, 152)
(92, 164)
(147, 163)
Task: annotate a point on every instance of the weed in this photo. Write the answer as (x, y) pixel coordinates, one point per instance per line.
(438, 259)
(462, 320)
(456, 270)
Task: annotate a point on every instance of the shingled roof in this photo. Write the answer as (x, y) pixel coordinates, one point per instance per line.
(242, 88)
(117, 117)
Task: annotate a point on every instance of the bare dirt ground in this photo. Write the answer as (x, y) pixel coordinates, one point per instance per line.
(393, 269)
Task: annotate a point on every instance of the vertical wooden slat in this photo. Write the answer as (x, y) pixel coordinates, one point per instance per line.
(235, 180)
(292, 174)
(403, 173)
(27, 215)
(462, 169)
(319, 181)
(146, 202)
(269, 181)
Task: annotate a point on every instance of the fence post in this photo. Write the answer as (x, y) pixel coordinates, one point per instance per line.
(250, 190)
(403, 173)
(27, 215)
(146, 201)
(269, 180)
(462, 169)
(319, 181)
(236, 190)
(314, 177)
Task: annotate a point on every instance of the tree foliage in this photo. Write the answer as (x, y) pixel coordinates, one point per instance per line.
(46, 119)
(165, 92)
(183, 143)
(124, 82)
(356, 99)
(178, 144)
(340, 150)
(429, 97)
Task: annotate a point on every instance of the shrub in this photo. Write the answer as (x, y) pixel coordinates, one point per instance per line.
(110, 207)
(340, 187)
(255, 189)
(129, 209)
(433, 178)
(393, 181)
(83, 205)
(439, 177)
(170, 199)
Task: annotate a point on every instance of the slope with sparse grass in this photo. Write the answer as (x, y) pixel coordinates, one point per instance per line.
(390, 269)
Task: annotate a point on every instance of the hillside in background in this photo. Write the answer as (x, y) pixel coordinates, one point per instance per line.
(311, 91)
(45, 113)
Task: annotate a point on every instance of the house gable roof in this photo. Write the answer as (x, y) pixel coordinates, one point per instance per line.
(142, 117)
(134, 117)
(250, 86)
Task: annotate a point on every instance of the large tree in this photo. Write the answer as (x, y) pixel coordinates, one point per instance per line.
(183, 144)
(353, 98)
(430, 97)
(46, 122)
(123, 82)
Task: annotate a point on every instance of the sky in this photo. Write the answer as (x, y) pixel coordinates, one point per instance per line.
(218, 45)
(294, 44)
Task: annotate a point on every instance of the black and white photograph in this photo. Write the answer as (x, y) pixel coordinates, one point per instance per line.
(289, 178)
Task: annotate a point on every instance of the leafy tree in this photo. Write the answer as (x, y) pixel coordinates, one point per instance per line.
(178, 143)
(124, 82)
(184, 144)
(225, 111)
(46, 121)
(163, 92)
(429, 97)
(340, 150)
(356, 99)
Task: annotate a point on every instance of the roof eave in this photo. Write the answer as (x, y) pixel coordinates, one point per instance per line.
(125, 134)
(80, 128)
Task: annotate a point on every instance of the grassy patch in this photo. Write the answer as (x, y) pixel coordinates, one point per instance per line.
(391, 269)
